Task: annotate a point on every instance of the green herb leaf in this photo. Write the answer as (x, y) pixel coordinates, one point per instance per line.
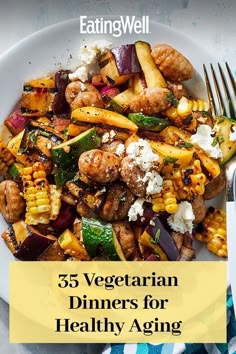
(217, 139)
(44, 133)
(204, 114)
(185, 145)
(169, 159)
(220, 139)
(23, 150)
(156, 237)
(214, 142)
(28, 88)
(33, 137)
(172, 99)
(65, 133)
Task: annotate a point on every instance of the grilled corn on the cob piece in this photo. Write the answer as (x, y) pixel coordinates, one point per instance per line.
(55, 201)
(36, 194)
(213, 231)
(6, 158)
(188, 182)
(166, 199)
(181, 115)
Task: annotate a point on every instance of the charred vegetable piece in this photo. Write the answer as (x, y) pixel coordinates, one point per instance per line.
(211, 166)
(120, 103)
(152, 74)
(25, 242)
(103, 119)
(65, 156)
(38, 96)
(126, 59)
(36, 143)
(15, 169)
(60, 105)
(61, 123)
(53, 253)
(100, 240)
(16, 122)
(91, 196)
(172, 154)
(215, 186)
(159, 235)
(225, 127)
(72, 246)
(65, 218)
(148, 123)
(109, 72)
(14, 147)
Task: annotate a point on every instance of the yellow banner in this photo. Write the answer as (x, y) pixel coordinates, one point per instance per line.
(117, 302)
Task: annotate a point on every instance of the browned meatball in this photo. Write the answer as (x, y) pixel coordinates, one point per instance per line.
(150, 101)
(99, 166)
(199, 209)
(172, 63)
(83, 210)
(79, 94)
(178, 89)
(133, 176)
(112, 147)
(126, 239)
(117, 203)
(12, 204)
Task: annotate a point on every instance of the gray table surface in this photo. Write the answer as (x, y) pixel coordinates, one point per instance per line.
(211, 23)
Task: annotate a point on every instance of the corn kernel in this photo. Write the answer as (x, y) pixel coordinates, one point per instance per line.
(214, 232)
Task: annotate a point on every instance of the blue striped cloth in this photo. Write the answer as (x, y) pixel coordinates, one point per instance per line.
(223, 348)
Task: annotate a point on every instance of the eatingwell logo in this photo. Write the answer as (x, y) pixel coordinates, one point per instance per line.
(123, 25)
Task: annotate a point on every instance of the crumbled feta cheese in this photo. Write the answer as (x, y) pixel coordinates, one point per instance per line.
(142, 155)
(154, 182)
(108, 136)
(120, 150)
(182, 220)
(136, 209)
(204, 139)
(232, 135)
(88, 60)
(105, 137)
(112, 134)
(80, 74)
(152, 223)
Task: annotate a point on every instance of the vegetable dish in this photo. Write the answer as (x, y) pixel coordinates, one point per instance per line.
(114, 161)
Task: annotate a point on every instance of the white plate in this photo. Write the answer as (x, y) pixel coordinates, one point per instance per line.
(57, 47)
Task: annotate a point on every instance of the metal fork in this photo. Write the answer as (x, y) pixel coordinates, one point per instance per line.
(226, 108)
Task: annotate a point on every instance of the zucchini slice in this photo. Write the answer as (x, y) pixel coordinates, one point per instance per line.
(223, 127)
(65, 156)
(100, 240)
(148, 123)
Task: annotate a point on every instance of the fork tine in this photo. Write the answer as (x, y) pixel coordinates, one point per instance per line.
(218, 92)
(231, 77)
(227, 93)
(209, 92)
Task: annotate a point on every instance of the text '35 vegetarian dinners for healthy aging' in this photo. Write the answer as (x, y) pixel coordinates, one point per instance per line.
(114, 161)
